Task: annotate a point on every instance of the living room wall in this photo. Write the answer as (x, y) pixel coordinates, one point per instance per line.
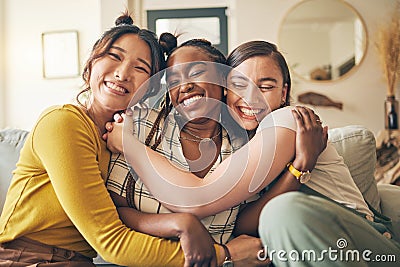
(2, 63)
(27, 93)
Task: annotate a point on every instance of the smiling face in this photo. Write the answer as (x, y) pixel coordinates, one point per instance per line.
(194, 87)
(117, 76)
(255, 88)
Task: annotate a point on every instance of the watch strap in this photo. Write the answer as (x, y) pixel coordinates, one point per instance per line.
(301, 176)
(293, 170)
(228, 256)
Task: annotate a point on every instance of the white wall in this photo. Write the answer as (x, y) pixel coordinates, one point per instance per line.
(2, 64)
(27, 93)
(362, 92)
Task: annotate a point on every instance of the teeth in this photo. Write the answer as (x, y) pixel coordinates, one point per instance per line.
(115, 87)
(189, 101)
(249, 112)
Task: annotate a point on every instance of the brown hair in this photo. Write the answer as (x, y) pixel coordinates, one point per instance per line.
(124, 25)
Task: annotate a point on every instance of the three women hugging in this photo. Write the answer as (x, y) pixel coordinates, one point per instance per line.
(223, 151)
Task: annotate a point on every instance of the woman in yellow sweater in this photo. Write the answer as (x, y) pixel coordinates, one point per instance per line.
(58, 211)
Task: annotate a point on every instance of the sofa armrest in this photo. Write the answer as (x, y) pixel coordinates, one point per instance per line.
(390, 205)
(357, 145)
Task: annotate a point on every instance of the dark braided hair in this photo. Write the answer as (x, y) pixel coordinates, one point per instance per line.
(166, 106)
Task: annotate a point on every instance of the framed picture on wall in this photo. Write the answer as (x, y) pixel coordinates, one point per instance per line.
(207, 23)
(60, 54)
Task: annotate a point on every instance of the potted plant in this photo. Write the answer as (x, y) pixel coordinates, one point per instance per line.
(388, 45)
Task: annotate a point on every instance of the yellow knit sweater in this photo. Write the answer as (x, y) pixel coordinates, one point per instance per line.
(58, 197)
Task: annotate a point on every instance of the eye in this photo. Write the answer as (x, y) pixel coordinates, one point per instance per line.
(239, 85)
(142, 69)
(172, 84)
(196, 73)
(115, 56)
(267, 87)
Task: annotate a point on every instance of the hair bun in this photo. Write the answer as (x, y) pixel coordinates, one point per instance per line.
(124, 19)
(168, 42)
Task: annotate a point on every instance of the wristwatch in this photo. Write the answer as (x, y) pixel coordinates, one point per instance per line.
(301, 176)
(228, 262)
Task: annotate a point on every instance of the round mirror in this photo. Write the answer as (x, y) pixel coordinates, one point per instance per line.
(323, 40)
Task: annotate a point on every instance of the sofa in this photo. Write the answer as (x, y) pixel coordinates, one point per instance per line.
(355, 143)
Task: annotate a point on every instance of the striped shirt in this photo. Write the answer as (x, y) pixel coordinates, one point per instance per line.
(220, 226)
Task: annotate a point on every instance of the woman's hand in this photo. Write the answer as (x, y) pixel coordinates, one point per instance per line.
(311, 138)
(197, 244)
(244, 251)
(113, 136)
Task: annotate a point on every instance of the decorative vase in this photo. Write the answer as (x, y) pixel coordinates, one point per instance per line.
(391, 111)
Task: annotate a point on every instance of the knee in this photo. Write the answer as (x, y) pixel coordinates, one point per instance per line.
(286, 210)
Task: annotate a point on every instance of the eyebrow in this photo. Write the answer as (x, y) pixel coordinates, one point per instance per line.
(189, 65)
(267, 79)
(139, 59)
(241, 77)
(244, 78)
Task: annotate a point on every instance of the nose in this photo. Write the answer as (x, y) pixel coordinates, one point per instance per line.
(186, 87)
(122, 73)
(251, 95)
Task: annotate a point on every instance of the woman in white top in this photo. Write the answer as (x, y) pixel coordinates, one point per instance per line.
(294, 223)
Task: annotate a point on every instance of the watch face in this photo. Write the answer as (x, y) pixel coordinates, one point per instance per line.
(227, 263)
(305, 177)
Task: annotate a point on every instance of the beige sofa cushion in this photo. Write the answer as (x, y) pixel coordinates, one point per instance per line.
(357, 145)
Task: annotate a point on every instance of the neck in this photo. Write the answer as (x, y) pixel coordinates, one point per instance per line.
(204, 130)
(100, 117)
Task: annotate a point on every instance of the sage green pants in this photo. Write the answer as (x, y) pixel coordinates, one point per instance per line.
(303, 230)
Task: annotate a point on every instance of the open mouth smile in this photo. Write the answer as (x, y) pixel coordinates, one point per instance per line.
(250, 112)
(188, 101)
(116, 88)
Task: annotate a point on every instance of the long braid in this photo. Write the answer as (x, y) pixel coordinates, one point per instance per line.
(165, 110)
(162, 115)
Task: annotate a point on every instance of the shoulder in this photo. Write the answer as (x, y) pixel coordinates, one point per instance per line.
(63, 112)
(63, 119)
(281, 117)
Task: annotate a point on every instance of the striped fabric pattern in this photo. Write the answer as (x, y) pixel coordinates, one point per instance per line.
(221, 225)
